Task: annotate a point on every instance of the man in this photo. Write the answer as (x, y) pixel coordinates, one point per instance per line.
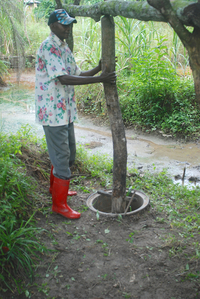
(56, 75)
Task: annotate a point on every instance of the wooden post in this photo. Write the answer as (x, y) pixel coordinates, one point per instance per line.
(115, 116)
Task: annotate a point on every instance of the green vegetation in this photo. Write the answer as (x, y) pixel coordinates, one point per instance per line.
(11, 28)
(156, 98)
(179, 208)
(11, 34)
(96, 165)
(19, 244)
(44, 9)
(179, 204)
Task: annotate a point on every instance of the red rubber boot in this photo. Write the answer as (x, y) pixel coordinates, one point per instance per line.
(59, 198)
(70, 193)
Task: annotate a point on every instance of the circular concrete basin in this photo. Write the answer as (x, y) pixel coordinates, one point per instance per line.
(102, 203)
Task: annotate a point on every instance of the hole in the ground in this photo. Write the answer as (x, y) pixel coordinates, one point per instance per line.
(102, 203)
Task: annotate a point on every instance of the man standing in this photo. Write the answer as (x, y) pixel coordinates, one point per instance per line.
(56, 75)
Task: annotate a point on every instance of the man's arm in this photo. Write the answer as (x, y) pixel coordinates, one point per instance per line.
(92, 72)
(83, 80)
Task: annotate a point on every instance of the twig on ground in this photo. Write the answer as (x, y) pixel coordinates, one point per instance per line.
(130, 201)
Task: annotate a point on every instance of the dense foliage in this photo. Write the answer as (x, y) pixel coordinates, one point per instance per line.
(155, 97)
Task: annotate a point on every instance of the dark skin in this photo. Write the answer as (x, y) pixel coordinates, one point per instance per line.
(62, 31)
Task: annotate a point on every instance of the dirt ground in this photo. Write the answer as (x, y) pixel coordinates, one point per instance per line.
(105, 258)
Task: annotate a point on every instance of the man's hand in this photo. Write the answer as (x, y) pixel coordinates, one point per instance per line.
(106, 77)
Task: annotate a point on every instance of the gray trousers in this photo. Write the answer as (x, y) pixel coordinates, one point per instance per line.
(61, 146)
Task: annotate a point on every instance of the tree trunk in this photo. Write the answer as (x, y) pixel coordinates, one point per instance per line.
(116, 122)
(194, 54)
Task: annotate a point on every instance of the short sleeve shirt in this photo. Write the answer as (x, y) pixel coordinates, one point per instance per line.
(54, 103)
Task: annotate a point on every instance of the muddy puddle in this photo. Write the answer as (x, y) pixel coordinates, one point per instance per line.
(145, 151)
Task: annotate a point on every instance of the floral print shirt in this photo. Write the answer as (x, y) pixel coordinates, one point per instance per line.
(54, 103)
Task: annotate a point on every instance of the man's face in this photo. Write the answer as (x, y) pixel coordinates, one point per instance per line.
(62, 31)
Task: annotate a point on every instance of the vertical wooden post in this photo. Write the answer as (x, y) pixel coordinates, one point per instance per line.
(116, 122)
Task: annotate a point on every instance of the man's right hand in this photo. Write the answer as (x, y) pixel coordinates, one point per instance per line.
(106, 77)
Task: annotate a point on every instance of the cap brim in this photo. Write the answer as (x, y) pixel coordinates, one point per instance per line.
(67, 21)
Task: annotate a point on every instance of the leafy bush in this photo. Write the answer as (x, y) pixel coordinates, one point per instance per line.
(155, 97)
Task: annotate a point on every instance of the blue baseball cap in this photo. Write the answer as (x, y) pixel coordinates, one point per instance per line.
(61, 16)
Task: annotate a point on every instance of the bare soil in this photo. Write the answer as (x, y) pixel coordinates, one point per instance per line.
(105, 258)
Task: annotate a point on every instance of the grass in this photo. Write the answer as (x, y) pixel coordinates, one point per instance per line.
(96, 165)
(179, 204)
(155, 91)
(178, 207)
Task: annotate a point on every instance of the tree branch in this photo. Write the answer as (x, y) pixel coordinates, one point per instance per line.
(129, 9)
(170, 15)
